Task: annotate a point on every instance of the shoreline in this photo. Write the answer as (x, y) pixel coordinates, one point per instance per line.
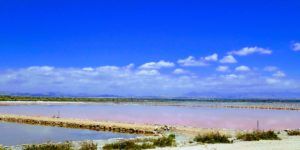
(159, 103)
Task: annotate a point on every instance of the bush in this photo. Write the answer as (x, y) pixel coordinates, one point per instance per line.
(142, 144)
(124, 145)
(165, 141)
(258, 135)
(212, 137)
(293, 132)
(88, 145)
(49, 146)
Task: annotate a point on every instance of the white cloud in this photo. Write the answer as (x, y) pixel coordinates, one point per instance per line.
(148, 72)
(88, 69)
(191, 61)
(242, 68)
(130, 66)
(270, 68)
(231, 76)
(108, 68)
(40, 68)
(222, 68)
(279, 74)
(228, 59)
(272, 81)
(213, 57)
(296, 47)
(131, 81)
(251, 50)
(157, 65)
(180, 71)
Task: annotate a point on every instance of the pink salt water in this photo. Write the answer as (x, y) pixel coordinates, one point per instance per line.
(203, 117)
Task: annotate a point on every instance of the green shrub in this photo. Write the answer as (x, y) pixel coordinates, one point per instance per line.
(142, 144)
(212, 137)
(49, 146)
(165, 141)
(293, 132)
(124, 145)
(258, 135)
(88, 145)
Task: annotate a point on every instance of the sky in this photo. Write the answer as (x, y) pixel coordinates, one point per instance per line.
(191, 48)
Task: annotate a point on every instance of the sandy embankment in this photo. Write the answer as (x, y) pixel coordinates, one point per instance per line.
(82, 124)
(109, 125)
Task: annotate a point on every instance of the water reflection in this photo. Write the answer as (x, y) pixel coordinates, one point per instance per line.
(17, 134)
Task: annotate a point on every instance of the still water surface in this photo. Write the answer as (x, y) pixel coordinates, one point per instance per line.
(17, 134)
(171, 115)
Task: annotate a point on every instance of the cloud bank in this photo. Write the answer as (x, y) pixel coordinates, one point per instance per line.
(251, 50)
(186, 78)
(130, 81)
(296, 47)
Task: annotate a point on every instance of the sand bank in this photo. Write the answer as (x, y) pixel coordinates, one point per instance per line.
(83, 124)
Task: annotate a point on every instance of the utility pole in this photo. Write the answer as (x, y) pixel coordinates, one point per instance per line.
(257, 125)
(58, 115)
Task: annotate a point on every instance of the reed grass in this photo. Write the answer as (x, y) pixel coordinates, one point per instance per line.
(258, 135)
(212, 137)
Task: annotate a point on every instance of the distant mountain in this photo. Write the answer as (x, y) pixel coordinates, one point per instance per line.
(190, 95)
(261, 95)
(54, 94)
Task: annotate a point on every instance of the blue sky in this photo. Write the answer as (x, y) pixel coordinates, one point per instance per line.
(104, 47)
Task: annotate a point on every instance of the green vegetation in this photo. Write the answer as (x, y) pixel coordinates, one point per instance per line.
(88, 145)
(165, 141)
(127, 145)
(65, 99)
(258, 135)
(142, 144)
(1, 148)
(212, 137)
(293, 132)
(49, 146)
